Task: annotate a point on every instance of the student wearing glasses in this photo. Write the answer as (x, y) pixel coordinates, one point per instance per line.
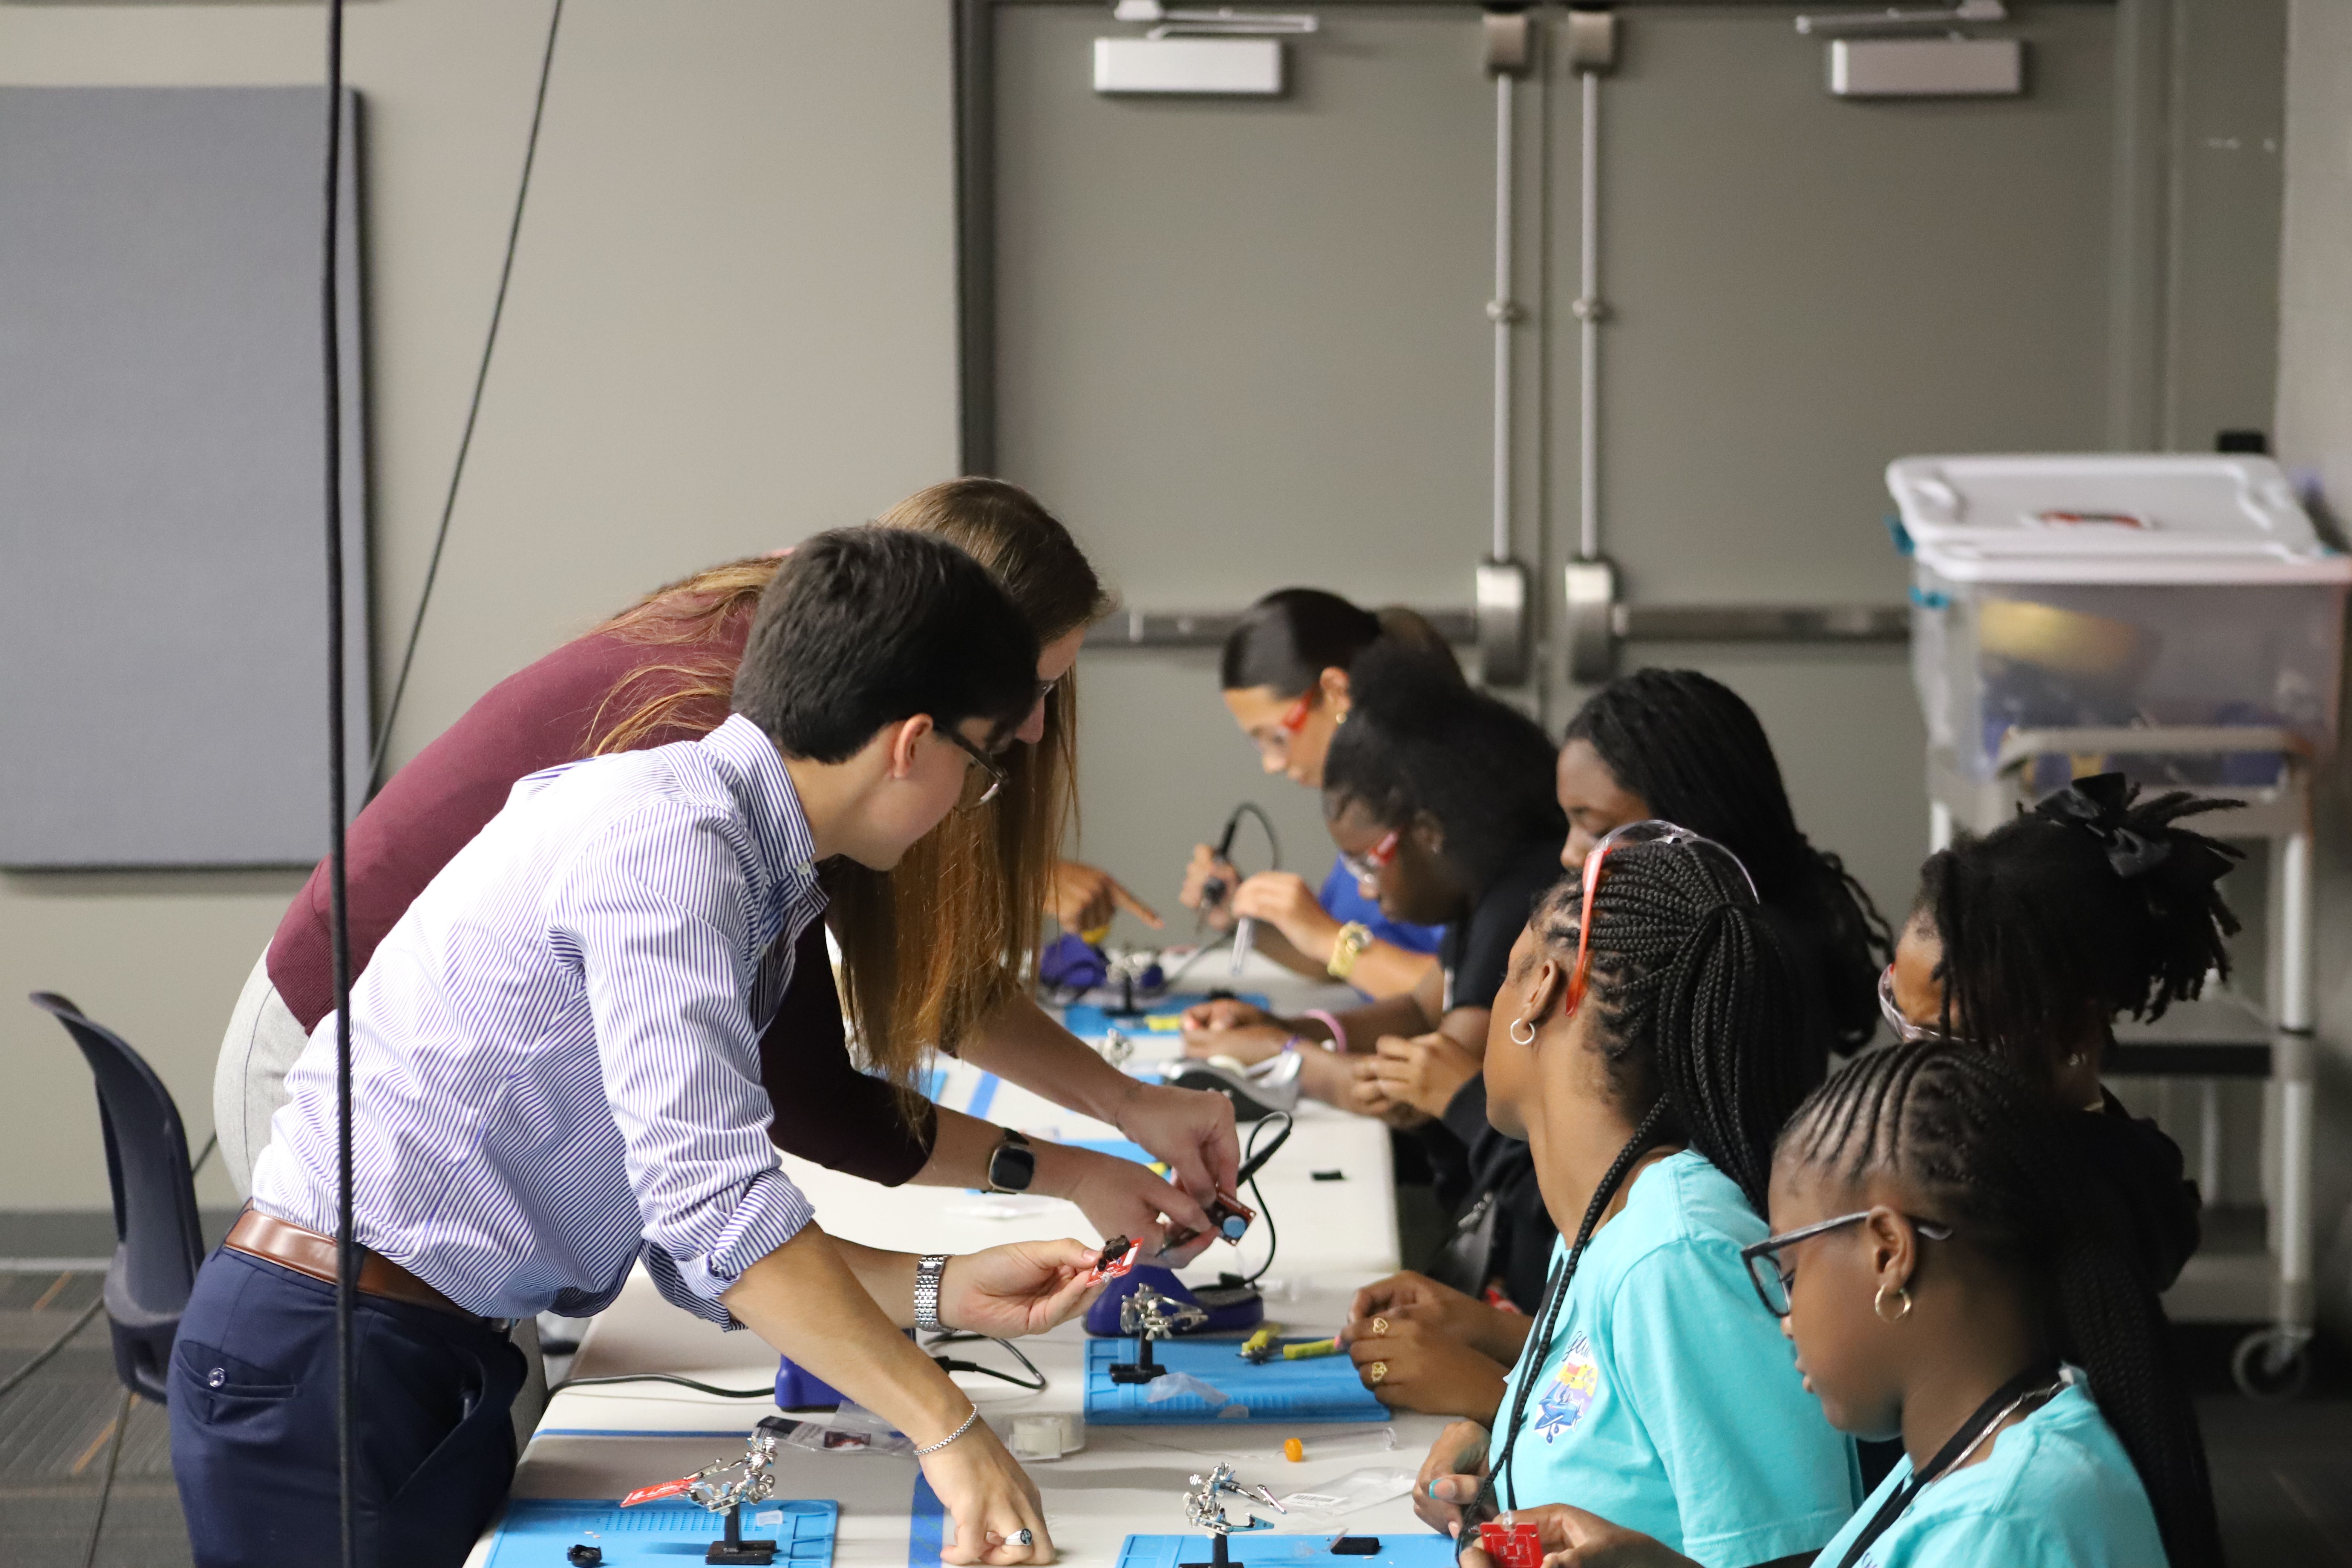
(1945, 1281)
(1287, 678)
(1440, 800)
(934, 949)
(1645, 1046)
(2030, 941)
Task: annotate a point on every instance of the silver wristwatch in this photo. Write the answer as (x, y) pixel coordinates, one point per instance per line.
(928, 1270)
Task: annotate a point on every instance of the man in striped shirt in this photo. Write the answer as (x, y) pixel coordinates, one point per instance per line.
(556, 1074)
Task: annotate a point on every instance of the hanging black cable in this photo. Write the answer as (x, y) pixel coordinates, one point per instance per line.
(346, 1240)
(473, 411)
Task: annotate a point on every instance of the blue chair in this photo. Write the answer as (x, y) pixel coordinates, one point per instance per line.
(158, 1239)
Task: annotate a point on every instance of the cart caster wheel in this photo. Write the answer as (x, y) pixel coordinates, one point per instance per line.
(2271, 1365)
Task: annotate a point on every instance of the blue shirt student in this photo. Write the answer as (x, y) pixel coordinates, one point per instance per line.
(1668, 1400)
(1343, 900)
(2056, 1491)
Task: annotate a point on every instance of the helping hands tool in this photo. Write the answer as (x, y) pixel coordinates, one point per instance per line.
(1203, 1509)
(1148, 1316)
(754, 1485)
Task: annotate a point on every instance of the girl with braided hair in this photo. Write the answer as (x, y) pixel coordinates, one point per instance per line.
(1676, 744)
(2030, 941)
(1645, 1045)
(1947, 1274)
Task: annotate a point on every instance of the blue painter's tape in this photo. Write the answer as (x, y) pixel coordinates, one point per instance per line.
(927, 1525)
(983, 1095)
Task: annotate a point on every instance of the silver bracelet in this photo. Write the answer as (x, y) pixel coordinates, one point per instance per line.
(928, 1270)
(951, 1437)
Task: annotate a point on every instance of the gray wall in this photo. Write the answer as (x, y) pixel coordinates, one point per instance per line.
(732, 322)
(2314, 437)
(1244, 344)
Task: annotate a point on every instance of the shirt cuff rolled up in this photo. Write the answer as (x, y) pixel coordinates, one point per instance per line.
(773, 1211)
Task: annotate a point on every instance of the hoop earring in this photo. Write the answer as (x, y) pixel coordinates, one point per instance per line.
(1878, 1304)
(1518, 1024)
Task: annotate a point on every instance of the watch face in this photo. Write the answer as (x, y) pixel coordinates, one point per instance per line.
(1011, 1168)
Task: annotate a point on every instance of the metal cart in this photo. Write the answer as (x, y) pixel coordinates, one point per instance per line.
(2241, 1273)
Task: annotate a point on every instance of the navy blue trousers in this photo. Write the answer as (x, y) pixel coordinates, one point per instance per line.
(253, 1424)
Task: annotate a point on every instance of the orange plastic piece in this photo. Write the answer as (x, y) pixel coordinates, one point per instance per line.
(1294, 1450)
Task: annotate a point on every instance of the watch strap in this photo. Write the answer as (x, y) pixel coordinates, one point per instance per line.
(928, 1270)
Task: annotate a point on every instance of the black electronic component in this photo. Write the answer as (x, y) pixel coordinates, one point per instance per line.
(1328, 1175)
(1356, 1546)
(584, 1555)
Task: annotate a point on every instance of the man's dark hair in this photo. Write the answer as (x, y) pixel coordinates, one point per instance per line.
(865, 627)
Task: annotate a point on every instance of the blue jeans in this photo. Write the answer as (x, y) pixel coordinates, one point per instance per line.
(253, 1423)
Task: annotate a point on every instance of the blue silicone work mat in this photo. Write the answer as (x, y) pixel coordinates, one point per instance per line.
(1412, 1549)
(537, 1531)
(1323, 1389)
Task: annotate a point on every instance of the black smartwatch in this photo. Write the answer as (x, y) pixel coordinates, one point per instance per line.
(1014, 1165)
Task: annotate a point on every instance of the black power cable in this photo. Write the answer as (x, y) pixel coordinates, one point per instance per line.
(377, 752)
(346, 1240)
(1035, 1382)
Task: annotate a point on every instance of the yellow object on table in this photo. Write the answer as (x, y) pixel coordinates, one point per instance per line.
(1307, 1349)
(1294, 1450)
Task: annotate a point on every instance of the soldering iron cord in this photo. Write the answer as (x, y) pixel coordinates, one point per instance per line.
(346, 1240)
(376, 751)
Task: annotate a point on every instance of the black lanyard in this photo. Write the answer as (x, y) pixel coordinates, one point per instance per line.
(2005, 1398)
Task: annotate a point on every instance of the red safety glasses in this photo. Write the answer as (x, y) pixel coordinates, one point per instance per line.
(1651, 831)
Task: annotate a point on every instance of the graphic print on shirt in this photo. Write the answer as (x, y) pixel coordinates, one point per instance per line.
(1569, 1394)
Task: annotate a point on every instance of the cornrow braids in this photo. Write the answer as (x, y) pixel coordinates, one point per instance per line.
(1980, 1148)
(1696, 1008)
(1697, 753)
(2093, 904)
(1697, 1016)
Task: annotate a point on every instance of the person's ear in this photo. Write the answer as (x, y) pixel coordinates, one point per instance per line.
(1893, 1248)
(1546, 987)
(1338, 696)
(905, 737)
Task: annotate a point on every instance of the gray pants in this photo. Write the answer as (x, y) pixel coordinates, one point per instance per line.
(249, 1085)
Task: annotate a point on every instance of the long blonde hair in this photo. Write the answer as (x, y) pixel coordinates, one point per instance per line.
(934, 946)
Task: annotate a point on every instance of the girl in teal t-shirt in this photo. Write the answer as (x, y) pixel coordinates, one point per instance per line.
(1646, 1044)
(1950, 1275)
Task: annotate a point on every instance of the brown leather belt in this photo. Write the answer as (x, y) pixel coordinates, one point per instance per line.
(305, 1251)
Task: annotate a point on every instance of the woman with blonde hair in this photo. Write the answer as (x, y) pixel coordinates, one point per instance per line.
(936, 951)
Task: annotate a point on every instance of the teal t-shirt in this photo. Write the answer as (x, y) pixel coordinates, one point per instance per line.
(2056, 1491)
(1668, 1400)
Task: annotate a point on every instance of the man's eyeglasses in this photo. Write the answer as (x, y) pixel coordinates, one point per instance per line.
(990, 779)
(1367, 867)
(1275, 743)
(1904, 1030)
(1633, 833)
(1772, 1282)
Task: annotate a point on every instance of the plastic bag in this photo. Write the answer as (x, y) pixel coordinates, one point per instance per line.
(853, 1429)
(1346, 1494)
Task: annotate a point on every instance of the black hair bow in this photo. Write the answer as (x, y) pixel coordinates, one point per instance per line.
(2101, 806)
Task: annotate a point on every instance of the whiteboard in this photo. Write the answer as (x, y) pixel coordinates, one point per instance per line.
(163, 533)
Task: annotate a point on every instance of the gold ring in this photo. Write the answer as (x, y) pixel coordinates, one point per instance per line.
(1377, 1370)
(1381, 1327)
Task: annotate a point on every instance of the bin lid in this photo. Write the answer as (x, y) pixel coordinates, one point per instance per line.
(2122, 518)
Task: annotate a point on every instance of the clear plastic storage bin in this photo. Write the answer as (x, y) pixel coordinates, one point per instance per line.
(2098, 592)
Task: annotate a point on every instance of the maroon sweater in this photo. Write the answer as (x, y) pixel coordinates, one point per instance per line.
(826, 1109)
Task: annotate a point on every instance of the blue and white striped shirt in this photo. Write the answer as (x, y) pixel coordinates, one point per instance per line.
(555, 1052)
